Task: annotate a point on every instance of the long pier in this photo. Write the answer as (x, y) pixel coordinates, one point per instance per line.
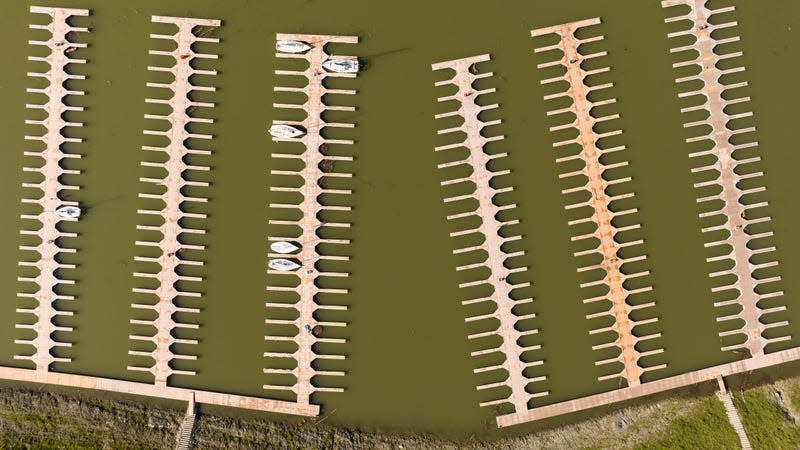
(157, 391)
(318, 164)
(599, 200)
(170, 244)
(60, 43)
(465, 73)
(746, 291)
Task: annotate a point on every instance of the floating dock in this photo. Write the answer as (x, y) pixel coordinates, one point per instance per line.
(735, 213)
(50, 276)
(642, 390)
(170, 243)
(747, 290)
(318, 164)
(465, 73)
(61, 45)
(586, 147)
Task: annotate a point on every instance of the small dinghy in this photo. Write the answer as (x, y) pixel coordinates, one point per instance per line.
(341, 65)
(69, 212)
(283, 265)
(286, 46)
(284, 131)
(283, 247)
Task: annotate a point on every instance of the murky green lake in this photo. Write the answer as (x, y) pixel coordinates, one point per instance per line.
(408, 358)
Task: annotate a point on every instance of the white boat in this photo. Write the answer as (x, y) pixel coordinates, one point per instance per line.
(341, 65)
(283, 265)
(287, 46)
(69, 212)
(283, 247)
(283, 131)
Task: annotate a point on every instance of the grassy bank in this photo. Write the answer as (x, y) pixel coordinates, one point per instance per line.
(47, 419)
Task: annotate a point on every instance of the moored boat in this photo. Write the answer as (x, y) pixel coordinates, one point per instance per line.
(284, 247)
(288, 46)
(341, 65)
(69, 212)
(283, 265)
(283, 131)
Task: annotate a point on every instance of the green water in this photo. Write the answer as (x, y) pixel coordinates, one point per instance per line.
(407, 353)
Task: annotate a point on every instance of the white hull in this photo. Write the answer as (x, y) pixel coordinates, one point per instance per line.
(292, 47)
(69, 212)
(283, 131)
(341, 65)
(283, 247)
(283, 265)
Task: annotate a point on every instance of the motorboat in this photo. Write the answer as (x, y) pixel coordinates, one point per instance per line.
(283, 247)
(287, 46)
(341, 65)
(69, 212)
(283, 265)
(283, 131)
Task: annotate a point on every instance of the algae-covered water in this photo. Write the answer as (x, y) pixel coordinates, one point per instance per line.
(408, 364)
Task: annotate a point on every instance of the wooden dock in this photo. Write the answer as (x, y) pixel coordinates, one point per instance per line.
(746, 291)
(641, 390)
(157, 391)
(733, 415)
(586, 148)
(318, 163)
(60, 43)
(736, 217)
(465, 73)
(168, 241)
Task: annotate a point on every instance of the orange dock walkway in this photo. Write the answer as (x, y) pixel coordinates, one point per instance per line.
(599, 200)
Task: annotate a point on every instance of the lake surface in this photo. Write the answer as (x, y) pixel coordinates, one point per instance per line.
(408, 358)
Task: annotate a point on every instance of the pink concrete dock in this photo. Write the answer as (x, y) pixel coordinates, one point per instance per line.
(170, 245)
(313, 156)
(734, 212)
(51, 187)
(599, 200)
(465, 73)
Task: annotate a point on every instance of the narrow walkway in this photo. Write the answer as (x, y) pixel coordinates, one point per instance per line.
(51, 187)
(730, 172)
(599, 200)
(186, 431)
(157, 391)
(465, 74)
(733, 414)
(318, 164)
(170, 243)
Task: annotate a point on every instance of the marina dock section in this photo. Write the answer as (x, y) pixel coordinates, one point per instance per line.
(316, 154)
(465, 72)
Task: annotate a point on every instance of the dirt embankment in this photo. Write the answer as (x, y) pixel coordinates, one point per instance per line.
(38, 419)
